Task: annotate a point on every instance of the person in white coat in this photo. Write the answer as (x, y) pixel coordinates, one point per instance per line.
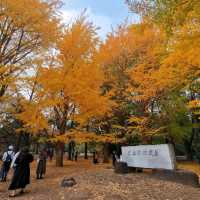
(13, 164)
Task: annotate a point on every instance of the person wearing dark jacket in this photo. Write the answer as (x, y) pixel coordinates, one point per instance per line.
(7, 160)
(41, 166)
(21, 176)
(114, 158)
(95, 159)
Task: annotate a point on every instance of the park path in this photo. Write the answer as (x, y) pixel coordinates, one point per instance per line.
(99, 182)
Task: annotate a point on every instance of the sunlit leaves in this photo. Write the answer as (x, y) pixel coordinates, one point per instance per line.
(71, 89)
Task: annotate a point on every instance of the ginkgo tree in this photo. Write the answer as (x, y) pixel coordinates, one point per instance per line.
(115, 57)
(180, 20)
(70, 89)
(130, 57)
(180, 67)
(26, 29)
(135, 60)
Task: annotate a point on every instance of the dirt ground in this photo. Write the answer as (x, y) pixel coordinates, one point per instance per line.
(99, 182)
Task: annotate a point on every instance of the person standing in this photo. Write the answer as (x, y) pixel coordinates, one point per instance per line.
(76, 156)
(41, 166)
(114, 158)
(7, 159)
(21, 176)
(95, 158)
(76, 149)
(51, 152)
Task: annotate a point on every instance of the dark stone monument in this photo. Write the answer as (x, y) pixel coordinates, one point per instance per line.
(179, 176)
(68, 182)
(121, 167)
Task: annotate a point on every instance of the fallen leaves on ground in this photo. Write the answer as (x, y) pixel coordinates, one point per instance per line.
(99, 182)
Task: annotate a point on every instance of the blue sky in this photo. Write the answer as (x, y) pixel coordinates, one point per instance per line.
(104, 13)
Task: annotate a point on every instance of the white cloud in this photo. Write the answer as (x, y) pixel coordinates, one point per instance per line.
(101, 21)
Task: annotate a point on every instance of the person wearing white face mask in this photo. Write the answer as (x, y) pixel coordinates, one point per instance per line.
(7, 160)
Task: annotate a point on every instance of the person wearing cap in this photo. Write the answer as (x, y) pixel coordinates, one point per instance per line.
(7, 159)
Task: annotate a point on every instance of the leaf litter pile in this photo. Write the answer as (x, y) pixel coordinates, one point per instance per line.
(99, 182)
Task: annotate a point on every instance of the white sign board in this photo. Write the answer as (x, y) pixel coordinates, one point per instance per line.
(149, 156)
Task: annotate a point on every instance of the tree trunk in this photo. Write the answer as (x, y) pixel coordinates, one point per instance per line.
(195, 137)
(69, 151)
(86, 149)
(188, 149)
(26, 137)
(23, 140)
(106, 153)
(59, 154)
(18, 143)
(37, 148)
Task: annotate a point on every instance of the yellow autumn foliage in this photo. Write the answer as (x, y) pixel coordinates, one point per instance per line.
(81, 137)
(71, 89)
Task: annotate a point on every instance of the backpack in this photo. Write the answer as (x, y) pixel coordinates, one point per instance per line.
(8, 158)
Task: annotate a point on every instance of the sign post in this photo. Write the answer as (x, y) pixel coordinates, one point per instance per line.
(149, 156)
